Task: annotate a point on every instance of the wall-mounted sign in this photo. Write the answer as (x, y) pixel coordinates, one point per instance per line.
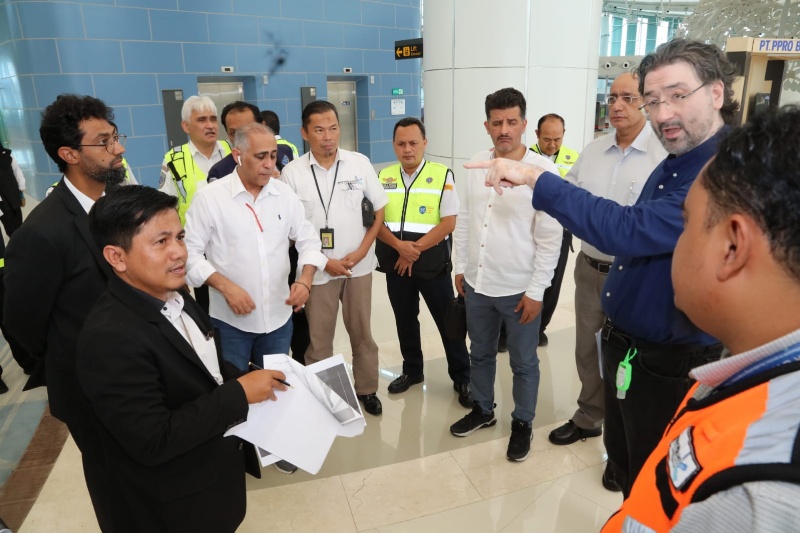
(408, 49)
(396, 92)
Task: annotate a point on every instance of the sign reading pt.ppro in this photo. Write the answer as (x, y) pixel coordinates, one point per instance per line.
(408, 49)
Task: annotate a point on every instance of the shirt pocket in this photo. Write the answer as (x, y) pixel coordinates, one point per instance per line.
(309, 202)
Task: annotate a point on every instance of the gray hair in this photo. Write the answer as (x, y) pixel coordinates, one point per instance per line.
(197, 103)
(241, 140)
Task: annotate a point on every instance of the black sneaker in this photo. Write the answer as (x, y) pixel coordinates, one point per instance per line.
(464, 394)
(570, 432)
(285, 467)
(520, 442)
(475, 420)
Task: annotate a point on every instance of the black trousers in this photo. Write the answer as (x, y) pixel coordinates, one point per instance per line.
(301, 337)
(659, 382)
(404, 294)
(551, 294)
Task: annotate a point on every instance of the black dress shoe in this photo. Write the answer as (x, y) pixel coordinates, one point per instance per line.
(543, 341)
(464, 394)
(569, 433)
(3, 387)
(402, 383)
(609, 483)
(372, 404)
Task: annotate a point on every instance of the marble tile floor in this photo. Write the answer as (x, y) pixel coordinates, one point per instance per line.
(406, 473)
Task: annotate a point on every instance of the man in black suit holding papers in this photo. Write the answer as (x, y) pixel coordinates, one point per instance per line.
(150, 366)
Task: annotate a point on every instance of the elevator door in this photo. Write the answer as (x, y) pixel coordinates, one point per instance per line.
(342, 94)
(221, 94)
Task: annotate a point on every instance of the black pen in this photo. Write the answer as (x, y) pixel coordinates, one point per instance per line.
(279, 380)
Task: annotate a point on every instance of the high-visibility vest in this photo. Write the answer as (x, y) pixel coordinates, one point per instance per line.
(565, 158)
(730, 437)
(416, 209)
(290, 145)
(186, 177)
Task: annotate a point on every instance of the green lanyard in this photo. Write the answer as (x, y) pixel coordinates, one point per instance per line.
(624, 372)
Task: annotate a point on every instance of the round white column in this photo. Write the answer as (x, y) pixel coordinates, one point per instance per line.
(547, 50)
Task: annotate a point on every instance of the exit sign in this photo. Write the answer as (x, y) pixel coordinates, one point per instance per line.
(396, 92)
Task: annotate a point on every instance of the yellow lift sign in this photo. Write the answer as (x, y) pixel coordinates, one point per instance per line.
(408, 49)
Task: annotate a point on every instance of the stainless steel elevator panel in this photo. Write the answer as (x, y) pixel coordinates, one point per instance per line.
(222, 94)
(342, 94)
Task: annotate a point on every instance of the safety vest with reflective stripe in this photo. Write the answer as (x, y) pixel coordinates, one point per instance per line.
(415, 209)
(290, 145)
(565, 158)
(186, 175)
(742, 433)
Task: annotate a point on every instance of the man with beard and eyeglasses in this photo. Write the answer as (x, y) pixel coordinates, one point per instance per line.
(648, 345)
(55, 272)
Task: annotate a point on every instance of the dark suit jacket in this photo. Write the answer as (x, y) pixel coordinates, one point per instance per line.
(54, 274)
(163, 416)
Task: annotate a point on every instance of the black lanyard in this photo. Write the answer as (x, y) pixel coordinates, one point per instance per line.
(333, 188)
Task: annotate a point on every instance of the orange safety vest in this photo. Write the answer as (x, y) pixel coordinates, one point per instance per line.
(714, 443)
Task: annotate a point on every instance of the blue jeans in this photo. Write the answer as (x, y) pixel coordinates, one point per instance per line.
(484, 315)
(240, 347)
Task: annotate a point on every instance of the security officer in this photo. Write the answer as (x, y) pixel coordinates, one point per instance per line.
(550, 136)
(413, 251)
(186, 167)
(287, 152)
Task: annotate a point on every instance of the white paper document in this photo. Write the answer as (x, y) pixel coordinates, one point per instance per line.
(300, 426)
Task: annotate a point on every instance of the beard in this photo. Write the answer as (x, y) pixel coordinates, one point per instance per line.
(106, 175)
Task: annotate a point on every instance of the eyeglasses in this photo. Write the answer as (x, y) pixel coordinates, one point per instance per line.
(674, 101)
(625, 98)
(110, 142)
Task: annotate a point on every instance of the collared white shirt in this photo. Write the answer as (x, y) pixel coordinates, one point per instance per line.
(167, 181)
(85, 201)
(503, 246)
(204, 347)
(606, 170)
(449, 205)
(355, 180)
(247, 241)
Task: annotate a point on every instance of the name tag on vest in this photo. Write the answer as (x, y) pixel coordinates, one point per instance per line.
(683, 465)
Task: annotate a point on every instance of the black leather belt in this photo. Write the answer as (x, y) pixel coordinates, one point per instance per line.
(622, 340)
(600, 266)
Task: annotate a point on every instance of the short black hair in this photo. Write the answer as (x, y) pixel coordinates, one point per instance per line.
(61, 123)
(506, 99)
(757, 172)
(708, 61)
(317, 107)
(240, 106)
(116, 218)
(272, 121)
(409, 121)
(550, 116)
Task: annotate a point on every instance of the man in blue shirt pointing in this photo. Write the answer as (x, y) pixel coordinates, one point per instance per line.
(648, 345)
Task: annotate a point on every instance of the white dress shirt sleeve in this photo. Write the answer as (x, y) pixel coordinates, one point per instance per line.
(373, 189)
(18, 174)
(198, 233)
(461, 233)
(449, 205)
(547, 235)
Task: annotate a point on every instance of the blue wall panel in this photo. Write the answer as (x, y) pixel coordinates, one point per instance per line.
(141, 57)
(47, 20)
(233, 29)
(127, 51)
(116, 23)
(48, 87)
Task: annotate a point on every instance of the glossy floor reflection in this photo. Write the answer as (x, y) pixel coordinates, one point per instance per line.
(406, 473)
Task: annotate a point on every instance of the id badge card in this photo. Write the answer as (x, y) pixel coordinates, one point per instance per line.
(326, 236)
(624, 371)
